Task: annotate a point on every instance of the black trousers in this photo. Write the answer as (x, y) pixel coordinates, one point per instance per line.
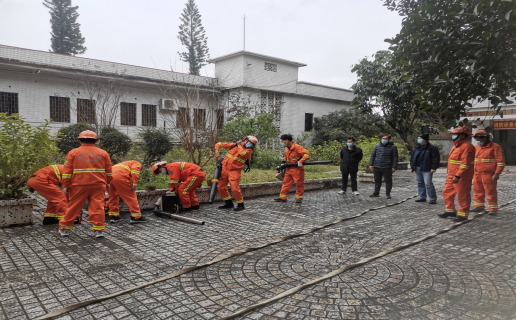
(378, 174)
(353, 176)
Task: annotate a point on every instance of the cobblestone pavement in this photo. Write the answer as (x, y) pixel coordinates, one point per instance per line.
(467, 273)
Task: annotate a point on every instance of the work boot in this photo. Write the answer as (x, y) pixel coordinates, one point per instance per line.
(279, 200)
(446, 214)
(239, 207)
(114, 219)
(491, 212)
(375, 195)
(141, 219)
(432, 202)
(195, 207)
(64, 232)
(227, 204)
(185, 210)
(298, 201)
(98, 234)
(477, 210)
(50, 220)
(420, 200)
(458, 219)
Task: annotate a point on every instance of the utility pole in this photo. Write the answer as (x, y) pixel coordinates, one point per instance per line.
(244, 35)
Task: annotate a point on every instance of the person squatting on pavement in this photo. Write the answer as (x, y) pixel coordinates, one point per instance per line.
(238, 154)
(189, 175)
(460, 171)
(351, 156)
(44, 182)
(489, 162)
(125, 180)
(86, 176)
(294, 153)
(424, 162)
(384, 162)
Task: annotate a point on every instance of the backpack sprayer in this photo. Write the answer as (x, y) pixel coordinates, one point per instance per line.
(170, 207)
(280, 169)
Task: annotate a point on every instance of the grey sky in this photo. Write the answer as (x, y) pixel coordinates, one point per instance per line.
(329, 36)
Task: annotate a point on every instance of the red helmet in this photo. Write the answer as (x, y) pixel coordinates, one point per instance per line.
(480, 133)
(460, 130)
(252, 139)
(87, 134)
(156, 167)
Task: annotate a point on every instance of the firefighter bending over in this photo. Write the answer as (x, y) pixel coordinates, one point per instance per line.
(238, 154)
(125, 180)
(44, 182)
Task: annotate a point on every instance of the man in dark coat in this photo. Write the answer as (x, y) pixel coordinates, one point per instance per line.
(351, 155)
(424, 162)
(384, 162)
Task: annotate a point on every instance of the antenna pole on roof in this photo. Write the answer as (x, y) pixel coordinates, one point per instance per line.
(244, 40)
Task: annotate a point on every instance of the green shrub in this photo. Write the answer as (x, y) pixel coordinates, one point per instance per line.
(326, 151)
(23, 150)
(261, 126)
(157, 142)
(68, 136)
(116, 143)
(266, 158)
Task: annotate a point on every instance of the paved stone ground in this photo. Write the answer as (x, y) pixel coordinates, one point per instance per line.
(467, 273)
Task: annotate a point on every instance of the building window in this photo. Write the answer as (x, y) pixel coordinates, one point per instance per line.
(60, 109)
(219, 118)
(128, 114)
(9, 103)
(269, 67)
(85, 111)
(182, 117)
(149, 115)
(308, 122)
(199, 118)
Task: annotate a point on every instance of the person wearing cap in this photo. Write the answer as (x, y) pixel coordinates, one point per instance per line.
(460, 171)
(237, 156)
(86, 176)
(489, 163)
(425, 160)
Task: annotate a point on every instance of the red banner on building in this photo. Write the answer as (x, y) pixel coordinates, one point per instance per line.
(504, 124)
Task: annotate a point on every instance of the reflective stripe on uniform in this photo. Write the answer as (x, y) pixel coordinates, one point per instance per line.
(109, 174)
(99, 227)
(452, 161)
(283, 195)
(135, 172)
(307, 155)
(136, 214)
(113, 213)
(488, 160)
(475, 159)
(298, 197)
(479, 204)
(49, 215)
(493, 206)
(185, 191)
(240, 160)
(90, 170)
(173, 182)
(120, 165)
(464, 166)
(182, 165)
(66, 227)
(501, 164)
(58, 174)
(67, 175)
(463, 214)
(227, 198)
(450, 210)
(239, 202)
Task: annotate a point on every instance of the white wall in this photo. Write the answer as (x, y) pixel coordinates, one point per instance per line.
(229, 72)
(284, 79)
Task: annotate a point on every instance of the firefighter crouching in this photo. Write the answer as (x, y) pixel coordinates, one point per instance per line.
(125, 180)
(238, 154)
(294, 153)
(488, 164)
(86, 176)
(460, 171)
(189, 175)
(44, 182)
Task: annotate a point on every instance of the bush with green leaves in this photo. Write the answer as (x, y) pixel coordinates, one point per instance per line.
(116, 143)
(326, 151)
(261, 126)
(23, 151)
(157, 142)
(68, 136)
(266, 158)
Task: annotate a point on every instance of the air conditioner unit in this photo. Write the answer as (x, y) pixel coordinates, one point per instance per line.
(167, 104)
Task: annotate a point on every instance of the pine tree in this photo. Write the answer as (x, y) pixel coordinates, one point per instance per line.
(192, 36)
(66, 36)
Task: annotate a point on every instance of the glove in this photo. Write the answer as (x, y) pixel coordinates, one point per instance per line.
(300, 164)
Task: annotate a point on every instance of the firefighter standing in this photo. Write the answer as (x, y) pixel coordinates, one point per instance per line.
(232, 165)
(125, 180)
(44, 182)
(460, 171)
(294, 153)
(488, 164)
(189, 175)
(86, 176)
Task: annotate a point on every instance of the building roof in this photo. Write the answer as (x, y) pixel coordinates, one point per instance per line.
(254, 54)
(325, 86)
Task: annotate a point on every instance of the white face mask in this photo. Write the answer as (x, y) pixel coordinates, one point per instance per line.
(163, 171)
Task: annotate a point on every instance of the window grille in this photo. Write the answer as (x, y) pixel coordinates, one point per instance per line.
(149, 115)
(269, 67)
(182, 117)
(128, 114)
(60, 109)
(85, 111)
(9, 103)
(199, 118)
(220, 118)
(271, 102)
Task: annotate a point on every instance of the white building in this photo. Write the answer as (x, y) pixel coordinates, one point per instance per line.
(42, 85)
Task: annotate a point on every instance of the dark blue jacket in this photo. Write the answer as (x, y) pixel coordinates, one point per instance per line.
(429, 157)
(385, 156)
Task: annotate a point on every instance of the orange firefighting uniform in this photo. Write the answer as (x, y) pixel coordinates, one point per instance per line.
(489, 161)
(124, 176)
(232, 166)
(295, 154)
(44, 182)
(192, 177)
(86, 173)
(461, 164)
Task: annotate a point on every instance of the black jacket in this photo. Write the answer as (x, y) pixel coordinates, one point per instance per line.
(350, 159)
(429, 157)
(385, 156)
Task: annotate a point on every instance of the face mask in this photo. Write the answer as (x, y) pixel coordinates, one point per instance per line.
(420, 141)
(249, 144)
(480, 143)
(384, 141)
(163, 171)
(350, 144)
(283, 143)
(454, 137)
